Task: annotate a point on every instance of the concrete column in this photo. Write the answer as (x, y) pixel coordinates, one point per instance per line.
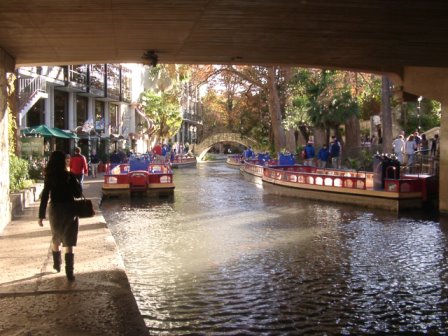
(71, 110)
(443, 177)
(106, 118)
(49, 106)
(91, 109)
(7, 64)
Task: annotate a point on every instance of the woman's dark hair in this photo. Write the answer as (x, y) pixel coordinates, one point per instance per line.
(56, 165)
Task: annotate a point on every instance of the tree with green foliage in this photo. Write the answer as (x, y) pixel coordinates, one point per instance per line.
(427, 116)
(161, 102)
(326, 96)
(164, 110)
(324, 100)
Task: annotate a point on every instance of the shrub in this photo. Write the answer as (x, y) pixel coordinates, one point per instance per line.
(18, 173)
(36, 168)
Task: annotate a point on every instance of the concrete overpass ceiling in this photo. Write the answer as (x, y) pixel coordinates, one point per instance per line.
(378, 35)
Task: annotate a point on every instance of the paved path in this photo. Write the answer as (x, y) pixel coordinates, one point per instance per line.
(35, 300)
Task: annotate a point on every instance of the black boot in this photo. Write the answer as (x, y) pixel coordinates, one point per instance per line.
(69, 260)
(57, 260)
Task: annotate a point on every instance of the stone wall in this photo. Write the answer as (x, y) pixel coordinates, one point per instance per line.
(20, 200)
(6, 65)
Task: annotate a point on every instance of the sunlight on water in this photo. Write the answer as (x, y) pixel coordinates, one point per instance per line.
(222, 257)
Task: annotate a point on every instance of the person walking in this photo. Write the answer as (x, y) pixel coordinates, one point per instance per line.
(94, 161)
(61, 187)
(78, 165)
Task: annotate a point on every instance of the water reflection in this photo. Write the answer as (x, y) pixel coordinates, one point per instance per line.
(223, 258)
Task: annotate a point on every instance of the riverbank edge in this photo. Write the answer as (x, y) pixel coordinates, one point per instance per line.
(36, 300)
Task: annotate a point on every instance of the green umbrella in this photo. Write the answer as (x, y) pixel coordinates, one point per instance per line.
(48, 132)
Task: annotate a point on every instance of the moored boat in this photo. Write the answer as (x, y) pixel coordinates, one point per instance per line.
(252, 169)
(235, 160)
(351, 187)
(138, 176)
(181, 161)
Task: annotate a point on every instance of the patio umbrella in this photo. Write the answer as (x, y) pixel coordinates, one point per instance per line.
(48, 132)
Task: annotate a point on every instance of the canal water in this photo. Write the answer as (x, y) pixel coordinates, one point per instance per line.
(222, 257)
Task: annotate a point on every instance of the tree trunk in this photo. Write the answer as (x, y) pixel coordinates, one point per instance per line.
(304, 135)
(320, 138)
(352, 135)
(386, 116)
(275, 112)
(290, 141)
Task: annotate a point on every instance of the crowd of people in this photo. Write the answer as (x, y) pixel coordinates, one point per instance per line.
(405, 149)
(166, 152)
(160, 152)
(327, 156)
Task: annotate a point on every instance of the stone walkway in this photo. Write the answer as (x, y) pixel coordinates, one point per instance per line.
(35, 300)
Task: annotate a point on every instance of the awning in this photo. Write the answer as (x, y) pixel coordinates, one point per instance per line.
(48, 132)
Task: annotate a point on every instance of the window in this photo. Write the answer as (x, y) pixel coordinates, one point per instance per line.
(113, 81)
(97, 72)
(126, 84)
(60, 109)
(99, 116)
(114, 118)
(81, 110)
(36, 115)
(78, 75)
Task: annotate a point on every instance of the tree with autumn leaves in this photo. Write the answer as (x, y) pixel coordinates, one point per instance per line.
(275, 105)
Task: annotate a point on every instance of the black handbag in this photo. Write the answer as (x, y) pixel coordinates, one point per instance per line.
(84, 208)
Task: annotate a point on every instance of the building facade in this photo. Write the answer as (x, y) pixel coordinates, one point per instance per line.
(93, 101)
(97, 102)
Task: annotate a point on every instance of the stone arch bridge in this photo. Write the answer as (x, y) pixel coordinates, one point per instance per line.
(202, 148)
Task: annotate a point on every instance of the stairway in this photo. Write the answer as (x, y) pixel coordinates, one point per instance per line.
(30, 91)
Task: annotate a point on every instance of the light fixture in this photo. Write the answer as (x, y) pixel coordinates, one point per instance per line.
(150, 58)
(418, 112)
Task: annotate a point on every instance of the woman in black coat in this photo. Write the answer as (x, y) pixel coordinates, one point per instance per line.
(60, 187)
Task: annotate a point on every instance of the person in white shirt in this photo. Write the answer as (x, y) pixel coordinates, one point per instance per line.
(398, 144)
(410, 148)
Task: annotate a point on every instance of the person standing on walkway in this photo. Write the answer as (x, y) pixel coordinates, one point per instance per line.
(157, 152)
(309, 154)
(60, 187)
(68, 158)
(335, 153)
(322, 156)
(78, 165)
(94, 161)
(410, 148)
(398, 145)
(435, 145)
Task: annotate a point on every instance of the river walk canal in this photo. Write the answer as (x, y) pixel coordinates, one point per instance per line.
(222, 257)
